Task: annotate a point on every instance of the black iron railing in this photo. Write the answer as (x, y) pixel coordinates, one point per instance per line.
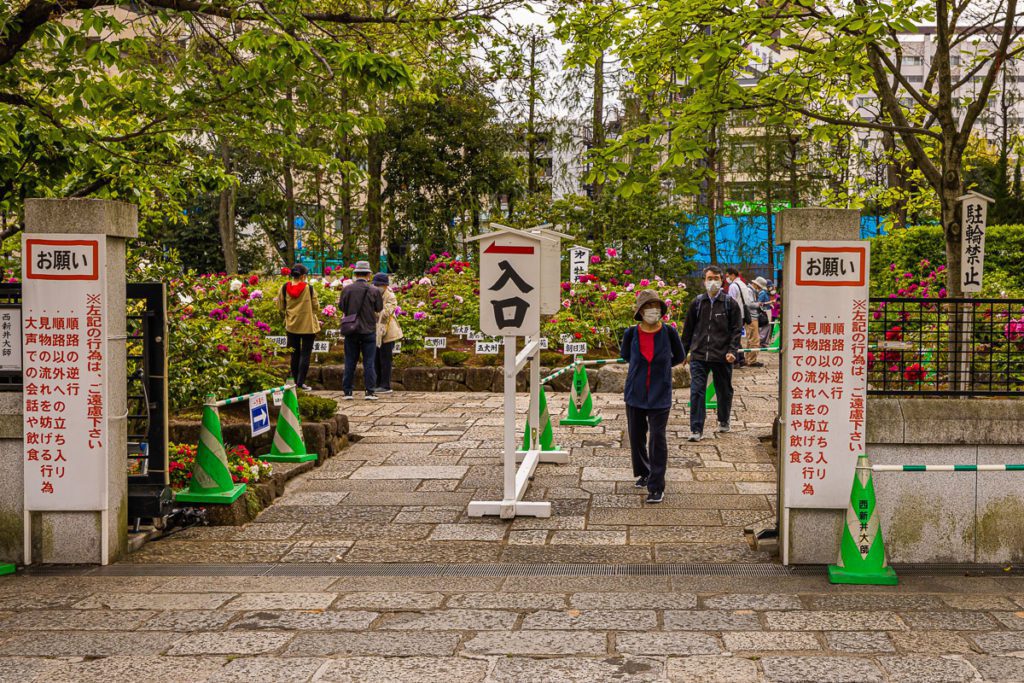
(946, 347)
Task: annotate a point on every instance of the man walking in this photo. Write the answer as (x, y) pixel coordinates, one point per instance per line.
(711, 336)
(360, 303)
(742, 294)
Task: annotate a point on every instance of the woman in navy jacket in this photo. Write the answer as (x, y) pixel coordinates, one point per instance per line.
(651, 348)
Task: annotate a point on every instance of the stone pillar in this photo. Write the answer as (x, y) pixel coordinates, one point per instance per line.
(75, 537)
(813, 535)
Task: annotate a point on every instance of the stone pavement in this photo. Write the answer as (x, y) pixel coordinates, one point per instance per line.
(681, 628)
(399, 494)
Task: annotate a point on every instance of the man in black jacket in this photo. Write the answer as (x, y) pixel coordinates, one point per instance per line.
(711, 336)
(364, 302)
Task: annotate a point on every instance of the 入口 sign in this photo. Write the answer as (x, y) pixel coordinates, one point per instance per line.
(65, 397)
(510, 283)
(824, 386)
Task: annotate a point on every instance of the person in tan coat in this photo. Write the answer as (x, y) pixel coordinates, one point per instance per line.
(388, 332)
(298, 305)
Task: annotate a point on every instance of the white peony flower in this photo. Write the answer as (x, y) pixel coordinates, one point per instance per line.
(185, 299)
(236, 285)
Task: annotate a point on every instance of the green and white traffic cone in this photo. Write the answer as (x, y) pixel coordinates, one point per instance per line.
(861, 552)
(6, 569)
(288, 445)
(581, 403)
(211, 479)
(546, 438)
(710, 398)
(774, 346)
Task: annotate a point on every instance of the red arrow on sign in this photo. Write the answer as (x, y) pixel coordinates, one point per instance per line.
(495, 249)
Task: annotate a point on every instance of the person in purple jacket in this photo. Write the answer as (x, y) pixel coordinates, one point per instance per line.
(651, 348)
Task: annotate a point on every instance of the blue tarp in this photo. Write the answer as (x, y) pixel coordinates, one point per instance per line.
(744, 239)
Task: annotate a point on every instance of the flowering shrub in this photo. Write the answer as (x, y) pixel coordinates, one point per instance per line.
(243, 466)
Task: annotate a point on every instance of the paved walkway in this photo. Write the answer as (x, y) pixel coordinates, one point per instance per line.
(399, 494)
(386, 629)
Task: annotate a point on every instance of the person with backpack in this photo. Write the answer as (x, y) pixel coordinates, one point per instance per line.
(298, 305)
(651, 348)
(711, 338)
(742, 294)
(764, 304)
(360, 303)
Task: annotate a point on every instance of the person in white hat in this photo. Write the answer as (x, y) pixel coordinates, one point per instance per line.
(359, 304)
(764, 302)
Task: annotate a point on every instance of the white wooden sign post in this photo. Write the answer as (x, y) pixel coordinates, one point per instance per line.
(579, 262)
(824, 388)
(511, 285)
(973, 214)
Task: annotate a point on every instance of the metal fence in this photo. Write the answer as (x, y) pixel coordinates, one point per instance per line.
(946, 347)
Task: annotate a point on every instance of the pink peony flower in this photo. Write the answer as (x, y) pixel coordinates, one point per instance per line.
(610, 252)
(644, 282)
(222, 348)
(419, 315)
(595, 259)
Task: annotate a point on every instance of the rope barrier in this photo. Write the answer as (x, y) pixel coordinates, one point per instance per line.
(246, 397)
(558, 373)
(945, 468)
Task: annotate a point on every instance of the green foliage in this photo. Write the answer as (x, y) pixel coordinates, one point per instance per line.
(316, 408)
(905, 250)
(445, 153)
(454, 359)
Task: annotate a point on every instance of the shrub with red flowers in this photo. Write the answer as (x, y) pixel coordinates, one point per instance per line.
(244, 468)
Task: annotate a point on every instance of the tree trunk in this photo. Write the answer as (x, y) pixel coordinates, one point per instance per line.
(226, 215)
(949, 193)
(289, 227)
(375, 164)
(531, 141)
(597, 138)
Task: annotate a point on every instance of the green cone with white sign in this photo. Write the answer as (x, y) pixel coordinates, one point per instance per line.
(546, 438)
(581, 403)
(861, 551)
(211, 479)
(288, 445)
(710, 397)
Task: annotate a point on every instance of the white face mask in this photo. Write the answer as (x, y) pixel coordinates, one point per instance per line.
(713, 287)
(652, 315)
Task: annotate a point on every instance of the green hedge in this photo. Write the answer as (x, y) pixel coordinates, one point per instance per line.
(1004, 253)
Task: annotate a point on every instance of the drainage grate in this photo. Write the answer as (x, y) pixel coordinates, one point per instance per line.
(507, 570)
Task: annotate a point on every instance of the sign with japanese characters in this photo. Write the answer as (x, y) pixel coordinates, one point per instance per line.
(65, 399)
(321, 347)
(10, 339)
(579, 262)
(510, 284)
(551, 268)
(483, 347)
(435, 342)
(824, 384)
(575, 349)
(280, 341)
(973, 212)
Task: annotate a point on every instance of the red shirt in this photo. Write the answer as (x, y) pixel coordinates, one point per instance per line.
(647, 350)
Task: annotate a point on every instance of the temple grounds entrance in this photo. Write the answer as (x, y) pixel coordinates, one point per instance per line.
(398, 494)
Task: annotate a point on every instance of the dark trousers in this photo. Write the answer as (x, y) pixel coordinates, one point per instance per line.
(302, 350)
(364, 344)
(648, 444)
(721, 374)
(385, 354)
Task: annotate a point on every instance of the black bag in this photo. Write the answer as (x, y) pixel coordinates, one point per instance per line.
(762, 318)
(350, 322)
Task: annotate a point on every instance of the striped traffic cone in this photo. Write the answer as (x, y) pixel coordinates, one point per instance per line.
(546, 438)
(211, 479)
(6, 569)
(774, 346)
(861, 552)
(710, 398)
(288, 445)
(581, 403)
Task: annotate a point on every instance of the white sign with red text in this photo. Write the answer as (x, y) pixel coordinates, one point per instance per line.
(824, 386)
(65, 399)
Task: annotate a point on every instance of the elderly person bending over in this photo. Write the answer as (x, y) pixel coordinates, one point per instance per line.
(651, 348)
